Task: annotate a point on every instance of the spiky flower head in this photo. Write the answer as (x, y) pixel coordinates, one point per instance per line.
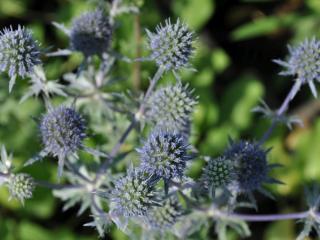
(62, 130)
(91, 33)
(166, 215)
(171, 45)
(171, 108)
(250, 163)
(19, 53)
(21, 186)
(164, 154)
(218, 173)
(134, 194)
(304, 63)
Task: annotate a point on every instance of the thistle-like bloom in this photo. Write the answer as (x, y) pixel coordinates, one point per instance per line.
(164, 154)
(218, 173)
(134, 194)
(91, 33)
(304, 63)
(163, 217)
(171, 45)
(21, 186)
(250, 163)
(19, 53)
(171, 108)
(62, 131)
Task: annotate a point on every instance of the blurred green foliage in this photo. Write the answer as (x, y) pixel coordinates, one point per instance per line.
(227, 90)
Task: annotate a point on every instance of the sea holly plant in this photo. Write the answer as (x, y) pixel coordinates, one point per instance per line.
(140, 182)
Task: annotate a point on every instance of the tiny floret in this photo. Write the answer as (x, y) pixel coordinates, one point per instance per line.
(165, 216)
(218, 173)
(171, 45)
(304, 63)
(21, 186)
(250, 163)
(134, 194)
(19, 53)
(171, 108)
(62, 131)
(91, 33)
(164, 154)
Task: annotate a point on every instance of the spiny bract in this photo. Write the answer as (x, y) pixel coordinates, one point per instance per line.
(171, 45)
(21, 186)
(91, 33)
(304, 63)
(171, 107)
(164, 154)
(134, 194)
(19, 53)
(218, 173)
(250, 163)
(165, 216)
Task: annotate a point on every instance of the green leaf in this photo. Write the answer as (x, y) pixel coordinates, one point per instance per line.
(262, 26)
(195, 12)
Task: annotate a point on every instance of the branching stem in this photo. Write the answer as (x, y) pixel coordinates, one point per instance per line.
(283, 108)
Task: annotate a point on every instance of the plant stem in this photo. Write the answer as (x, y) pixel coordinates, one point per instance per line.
(56, 186)
(131, 126)
(268, 217)
(283, 108)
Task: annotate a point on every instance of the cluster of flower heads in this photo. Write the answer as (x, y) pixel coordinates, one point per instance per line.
(91, 33)
(242, 169)
(304, 63)
(171, 45)
(19, 53)
(63, 131)
(171, 108)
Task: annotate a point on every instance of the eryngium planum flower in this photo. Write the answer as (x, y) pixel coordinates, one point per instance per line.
(62, 131)
(91, 33)
(171, 108)
(19, 53)
(304, 63)
(164, 154)
(171, 45)
(134, 194)
(250, 163)
(218, 173)
(165, 216)
(21, 186)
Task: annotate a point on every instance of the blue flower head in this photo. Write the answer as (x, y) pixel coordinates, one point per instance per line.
(62, 131)
(171, 108)
(250, 164)
(304, 63)
(165, 216)
(164, 154)
(134, 194)
(19, 53)
(91, 33)
(171, 45)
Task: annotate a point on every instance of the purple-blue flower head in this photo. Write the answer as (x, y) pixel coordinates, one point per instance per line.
(19, 53)
(171, 45)
(164, 154)
(91, 33)
(303, 63)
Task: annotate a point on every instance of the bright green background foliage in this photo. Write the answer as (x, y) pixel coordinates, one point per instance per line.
(236, 44)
